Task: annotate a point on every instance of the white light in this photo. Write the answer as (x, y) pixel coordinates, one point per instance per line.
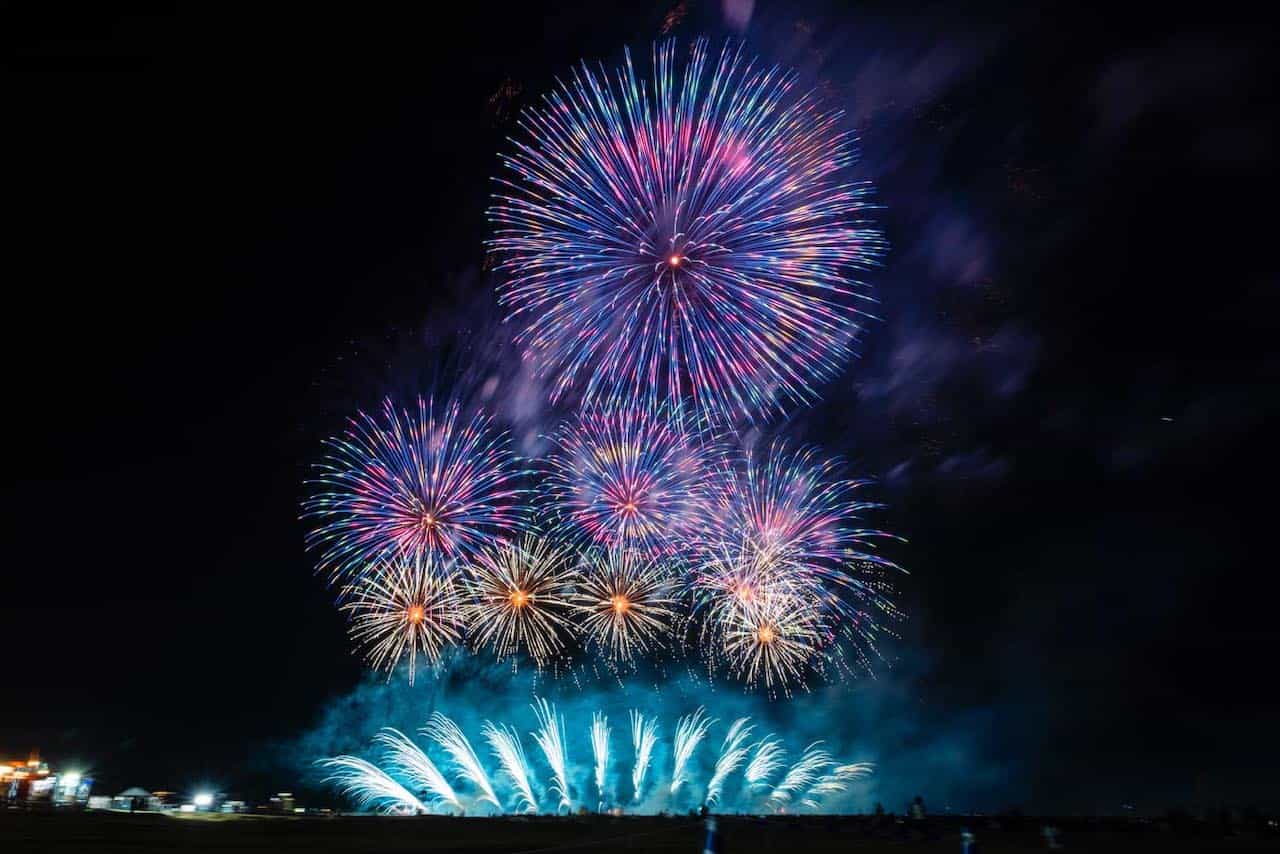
(71, 780)
(204, 799)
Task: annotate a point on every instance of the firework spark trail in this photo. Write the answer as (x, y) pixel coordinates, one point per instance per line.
(404, 608)
(406, 758)
(690, 730)
(600, 732)
(411, 484)
(446, 733)
(517, 599)
(732, 753)
(768, 760)
(644, 735)
(408, 781)
(803, 774)
(631, 476)
(550, 738)
(370, 786)
(507, 749)
(693, 235)
(625, 603)
(835, 781)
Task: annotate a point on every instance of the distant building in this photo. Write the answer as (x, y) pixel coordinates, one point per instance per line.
(134, 799)
(32, 783)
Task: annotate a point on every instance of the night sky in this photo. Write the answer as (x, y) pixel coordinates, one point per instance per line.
(227, 232)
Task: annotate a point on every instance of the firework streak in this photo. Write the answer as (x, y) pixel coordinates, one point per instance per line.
(409, 782)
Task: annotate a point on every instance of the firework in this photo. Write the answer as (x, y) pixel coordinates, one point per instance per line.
(644, 735)
(792, 504)
(625, 604)
(411, 484)
(507, 749)
(690, 730)
(407, 759)
(768, 760)
(550, 738)
(408, 781)
(776, 640)
(404, 609)
(370, 787)
(803, 774)
(446, 733)
(732, 753)
(630, 477)
(600, 749)
(835, 781)
(759, 617)
(517, 599)
(791, 575)
(696, 235)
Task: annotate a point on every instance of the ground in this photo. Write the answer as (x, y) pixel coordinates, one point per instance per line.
(56, 833)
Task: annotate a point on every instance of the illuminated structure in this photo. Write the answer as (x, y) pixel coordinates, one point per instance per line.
(32, 783)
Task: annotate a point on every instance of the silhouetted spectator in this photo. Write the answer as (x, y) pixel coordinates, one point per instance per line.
(711, 844)
(916, 810)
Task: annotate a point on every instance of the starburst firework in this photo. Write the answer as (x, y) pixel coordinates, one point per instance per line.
(697, 234)
(517, 599)
(631, 476)
(625, 604)
(414, 484)
(405, 608)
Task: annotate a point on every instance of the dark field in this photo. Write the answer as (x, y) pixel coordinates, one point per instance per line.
(105, 832)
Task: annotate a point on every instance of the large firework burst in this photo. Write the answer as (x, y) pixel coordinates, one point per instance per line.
(693, 235)
(631, 476)
(517, 598)
(413, 483)
(405, 608)
(625, 603)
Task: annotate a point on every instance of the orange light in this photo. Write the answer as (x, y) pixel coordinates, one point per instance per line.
(620, 604)
(416, 614)
(766, 634)
(674, 260)
(745, 593)
(629, 507)
(519, 598)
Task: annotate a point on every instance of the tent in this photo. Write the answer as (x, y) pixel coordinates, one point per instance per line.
(132, 798)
